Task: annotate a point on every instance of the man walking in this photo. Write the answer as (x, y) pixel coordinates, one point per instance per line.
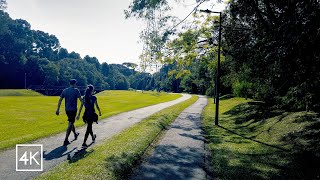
(71, 95)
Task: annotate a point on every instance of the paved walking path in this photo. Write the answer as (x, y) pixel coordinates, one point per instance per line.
(55, 153)
(180, 154)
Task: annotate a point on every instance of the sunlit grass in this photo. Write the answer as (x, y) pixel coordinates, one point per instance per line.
(26, 118)
(255, 142)
(116, 157)
(18, 92)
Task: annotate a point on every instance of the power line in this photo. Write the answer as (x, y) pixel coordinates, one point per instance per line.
(194, 9)
(176, 25)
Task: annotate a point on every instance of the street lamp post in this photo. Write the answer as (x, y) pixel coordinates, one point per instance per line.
(216, 119)
(25, 80)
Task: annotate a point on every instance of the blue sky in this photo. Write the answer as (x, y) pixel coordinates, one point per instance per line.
(96, 27)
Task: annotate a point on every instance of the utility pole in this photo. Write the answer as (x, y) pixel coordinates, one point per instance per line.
(25, 80)
(216, 119)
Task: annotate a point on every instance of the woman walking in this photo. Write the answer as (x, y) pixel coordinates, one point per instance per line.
(89, 115)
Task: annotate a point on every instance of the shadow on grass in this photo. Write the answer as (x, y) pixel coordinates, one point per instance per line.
(82, 153)
(255, 110)
(251, 139)
(231, 164)
(236, 154)
(122, 165)
(305, 154)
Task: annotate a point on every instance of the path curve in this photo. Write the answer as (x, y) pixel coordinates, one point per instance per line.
(54, 153)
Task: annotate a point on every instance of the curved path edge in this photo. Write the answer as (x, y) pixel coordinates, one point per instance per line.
(54, 153)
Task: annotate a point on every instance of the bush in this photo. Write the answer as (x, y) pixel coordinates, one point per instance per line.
(242, 89)
(297, 98)
(210, 91)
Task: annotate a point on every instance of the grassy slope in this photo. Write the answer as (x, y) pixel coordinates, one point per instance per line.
(18, 92)
(25, 118)
(253, 142)
(116, 157)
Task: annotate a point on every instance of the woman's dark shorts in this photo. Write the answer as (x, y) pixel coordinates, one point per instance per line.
(90, 117)
(71, 116)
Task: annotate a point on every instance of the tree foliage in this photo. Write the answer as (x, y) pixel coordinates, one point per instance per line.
(270, 52)
(141, 8)
(39, 56)
(278, 59)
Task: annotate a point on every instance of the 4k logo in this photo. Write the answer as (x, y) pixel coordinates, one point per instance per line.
(29, 157)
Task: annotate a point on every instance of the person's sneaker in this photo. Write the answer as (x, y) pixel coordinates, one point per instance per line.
(76, 136)
(94, 138)
(65, 143)
(84, 145)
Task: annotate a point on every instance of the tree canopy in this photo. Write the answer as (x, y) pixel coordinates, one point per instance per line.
(39, 57)
(270, 51)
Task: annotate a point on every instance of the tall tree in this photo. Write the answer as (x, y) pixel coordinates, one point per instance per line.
(74, 55)
(105, 68)
(279, 55)
(93, 60)
(63, 53)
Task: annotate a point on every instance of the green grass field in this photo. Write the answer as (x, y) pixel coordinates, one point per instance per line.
(18, 92)
(26, 118)
(116, 157)
(254, 142)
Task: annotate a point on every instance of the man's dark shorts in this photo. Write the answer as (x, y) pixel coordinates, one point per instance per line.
(71, 116)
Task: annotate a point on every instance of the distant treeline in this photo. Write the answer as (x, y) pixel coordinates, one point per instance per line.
(270, 52)
(39, 56)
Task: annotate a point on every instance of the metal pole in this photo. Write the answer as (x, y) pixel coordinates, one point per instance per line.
(25, 80)
(215, 90)
(216, 120)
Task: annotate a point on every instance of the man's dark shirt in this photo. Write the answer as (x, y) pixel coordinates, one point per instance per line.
(71, 96)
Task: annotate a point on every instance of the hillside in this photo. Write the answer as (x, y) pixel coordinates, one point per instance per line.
(18, 92)
(255, 142)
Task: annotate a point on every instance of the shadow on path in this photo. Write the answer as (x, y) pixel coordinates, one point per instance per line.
(195, 137)
(171, 162)
(57, 153)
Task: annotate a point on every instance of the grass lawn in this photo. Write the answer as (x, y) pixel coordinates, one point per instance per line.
(26, 118)
(255, 142)
(18, 92)
(116, 157)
